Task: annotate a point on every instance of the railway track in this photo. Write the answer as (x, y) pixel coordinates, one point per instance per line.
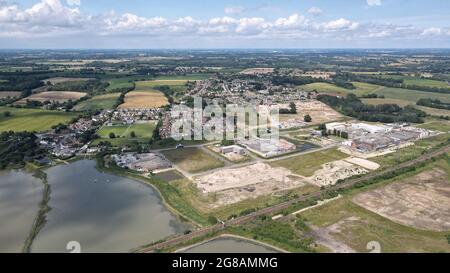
(287, 204)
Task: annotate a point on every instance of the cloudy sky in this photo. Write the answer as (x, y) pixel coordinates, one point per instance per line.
(224, 23)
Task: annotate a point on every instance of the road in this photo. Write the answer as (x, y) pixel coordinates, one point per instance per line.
(280, 207)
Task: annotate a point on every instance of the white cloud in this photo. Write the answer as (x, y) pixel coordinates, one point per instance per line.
(315, 11)
(294, 20)
(50, 18)
(341, 24)
(234, 10)
(73, 2)
(373, 2)
(431, 31)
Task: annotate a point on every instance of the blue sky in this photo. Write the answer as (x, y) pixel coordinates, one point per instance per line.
(224, 23)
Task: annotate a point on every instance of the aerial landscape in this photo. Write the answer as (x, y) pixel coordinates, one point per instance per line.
(111, 146)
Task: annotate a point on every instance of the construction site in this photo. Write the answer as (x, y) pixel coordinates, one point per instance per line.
(421, 201)
(234, 185)
(318, 111)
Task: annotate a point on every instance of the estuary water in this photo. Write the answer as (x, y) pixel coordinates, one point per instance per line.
(102, 212)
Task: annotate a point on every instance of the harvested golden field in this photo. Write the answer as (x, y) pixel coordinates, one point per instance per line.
(144, 99)
(59, 96)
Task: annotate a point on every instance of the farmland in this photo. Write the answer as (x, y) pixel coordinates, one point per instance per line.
(403, 103)
(187, 77)
(408, 95)
(418, 81)
(58, 96)
(106, 101)
(32, 119)
(122, 82)
(144, 99)
(192, 160)
(172, 83)
(12, 94)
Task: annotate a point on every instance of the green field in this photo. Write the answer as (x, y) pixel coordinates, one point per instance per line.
(307, 164)
(142, 131)
(418, 81)
(106, 101)
(124, 82)
(403, 103)
(443, 126)
(32, 119)
(411, 96)
(361, 88)
(193, 160)
(187, 77)
(176, 85)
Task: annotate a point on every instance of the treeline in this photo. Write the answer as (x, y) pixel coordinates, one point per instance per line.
(121, 98)
(91, 86)
(18, 148)
(287, 80)
(387, 113)
(21, 83)
(434, 103)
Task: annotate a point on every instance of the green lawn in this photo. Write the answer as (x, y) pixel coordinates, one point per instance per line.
(307, 164)
(142, 131)
(193, 159)
(32, 119)
(106, 101)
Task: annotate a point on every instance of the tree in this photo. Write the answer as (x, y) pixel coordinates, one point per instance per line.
(132, 134)
(293, 108)
(307, 118)
(344, 135)
(212, 220)
(112, 135)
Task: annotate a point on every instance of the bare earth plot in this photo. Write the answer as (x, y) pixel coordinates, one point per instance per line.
(234, 185)
(422, 202)
(319, 112)
(343, 226)
(58, 96)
